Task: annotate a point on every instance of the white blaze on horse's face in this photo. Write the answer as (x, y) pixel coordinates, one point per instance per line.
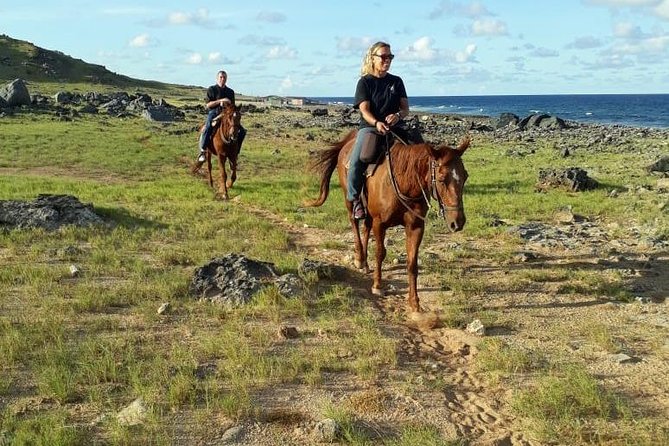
(456, 177)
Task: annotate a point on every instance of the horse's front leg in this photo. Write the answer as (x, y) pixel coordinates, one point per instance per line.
(380, 237)
(233, 171)
(222, 187)
(414, 235)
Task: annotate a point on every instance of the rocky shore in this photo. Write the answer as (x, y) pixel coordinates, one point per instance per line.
(522, 131)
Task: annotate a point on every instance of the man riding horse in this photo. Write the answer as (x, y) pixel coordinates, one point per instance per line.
(217, 96)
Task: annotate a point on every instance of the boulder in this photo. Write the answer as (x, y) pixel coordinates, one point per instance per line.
(15, 93)
(573, 178)
(506, 119)
(162, 113)
(661, 165)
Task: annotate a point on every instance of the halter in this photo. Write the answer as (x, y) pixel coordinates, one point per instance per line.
(443, 208)
(232, 138)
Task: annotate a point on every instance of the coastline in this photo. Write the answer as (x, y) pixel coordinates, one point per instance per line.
(438, 127)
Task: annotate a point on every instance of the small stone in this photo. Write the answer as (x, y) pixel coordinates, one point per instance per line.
(622, 358)
(163, 308)
(476, 327)
(288, 332)
(74, 271)
(232, 435)
(328, 430)
(133, 414)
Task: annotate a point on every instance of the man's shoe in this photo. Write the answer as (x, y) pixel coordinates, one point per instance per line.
(201, 158)
(358, 210)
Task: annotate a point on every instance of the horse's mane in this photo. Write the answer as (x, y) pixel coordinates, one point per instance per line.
(410, 162)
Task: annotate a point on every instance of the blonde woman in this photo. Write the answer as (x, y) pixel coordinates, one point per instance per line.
(382, 101)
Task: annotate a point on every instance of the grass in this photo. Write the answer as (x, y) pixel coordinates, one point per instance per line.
(569, 405)
(90, 345)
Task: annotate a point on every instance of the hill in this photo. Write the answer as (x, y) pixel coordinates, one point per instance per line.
(22, 59)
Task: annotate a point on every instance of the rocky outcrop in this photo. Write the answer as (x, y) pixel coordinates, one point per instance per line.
(49, 212)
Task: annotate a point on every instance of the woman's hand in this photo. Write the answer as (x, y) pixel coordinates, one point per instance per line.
(393, 118)
(382, 127)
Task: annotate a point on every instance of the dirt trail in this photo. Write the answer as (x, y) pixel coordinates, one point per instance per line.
(471, 409)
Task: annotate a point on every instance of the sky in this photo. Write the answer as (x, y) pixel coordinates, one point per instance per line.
(314, 48)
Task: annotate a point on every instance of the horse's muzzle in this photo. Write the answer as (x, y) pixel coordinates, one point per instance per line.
(457, 223)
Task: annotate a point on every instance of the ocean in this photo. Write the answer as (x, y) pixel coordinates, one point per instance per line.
(636, 110)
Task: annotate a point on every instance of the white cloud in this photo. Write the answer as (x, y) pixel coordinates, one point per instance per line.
(470, 9)
(194, 59)
(467, 55)
(139, 41)
(627, 31)
(489, 27)
(214, 57)
(354, 45)
(658, 8)
(421, 49)
(651, 45)
(281, 52)
(662, 9)
(200, 18)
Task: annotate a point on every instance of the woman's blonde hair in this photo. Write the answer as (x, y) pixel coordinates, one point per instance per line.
(367, 63)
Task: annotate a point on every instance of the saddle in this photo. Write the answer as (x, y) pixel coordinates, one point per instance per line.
(374, 146)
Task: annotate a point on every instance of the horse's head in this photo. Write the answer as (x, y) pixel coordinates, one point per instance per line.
(448, 177)
(231, 122)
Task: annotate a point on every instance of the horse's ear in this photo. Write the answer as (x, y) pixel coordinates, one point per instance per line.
(464, 144)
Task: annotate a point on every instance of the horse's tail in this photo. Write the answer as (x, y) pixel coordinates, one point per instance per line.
(325, 162)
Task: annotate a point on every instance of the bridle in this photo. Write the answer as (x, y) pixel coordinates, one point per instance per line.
(234, 134)
(434, 192)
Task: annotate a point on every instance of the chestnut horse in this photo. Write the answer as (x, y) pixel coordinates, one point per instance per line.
(398, 193)
(224, 144)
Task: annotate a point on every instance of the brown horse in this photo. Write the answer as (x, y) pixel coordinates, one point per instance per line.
(225, 145)
(398, 194)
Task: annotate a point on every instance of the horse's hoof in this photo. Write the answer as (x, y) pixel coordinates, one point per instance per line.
(424, 321)
(357, 263)
(229, 183)
(378, 292)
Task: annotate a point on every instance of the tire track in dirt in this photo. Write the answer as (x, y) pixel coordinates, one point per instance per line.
(474, 410)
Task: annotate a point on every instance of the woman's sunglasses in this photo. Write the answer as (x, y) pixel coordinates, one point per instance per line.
(385, 57)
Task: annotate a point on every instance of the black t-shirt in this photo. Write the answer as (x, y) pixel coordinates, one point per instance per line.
(383, 93)
(214, 93)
